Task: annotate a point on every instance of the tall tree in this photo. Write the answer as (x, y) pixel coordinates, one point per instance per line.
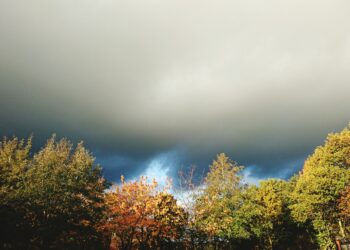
(14, 163)
(271, 199)
(58, 192)
(323, 178)
(219, 198)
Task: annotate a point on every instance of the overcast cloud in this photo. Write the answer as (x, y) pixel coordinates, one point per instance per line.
(263, 81)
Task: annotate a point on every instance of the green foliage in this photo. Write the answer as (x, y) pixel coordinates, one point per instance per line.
(56, 195)
(263, 218)
(271, 203)
(344, 203)
(14, 159)
(248, 216)
(318, 188)
(56, 198)
(217, 200)
(14, 163)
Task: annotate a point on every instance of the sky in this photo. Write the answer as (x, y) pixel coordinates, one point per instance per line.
(155, 86)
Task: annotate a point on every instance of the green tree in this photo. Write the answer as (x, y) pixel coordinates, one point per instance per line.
(323, 178)
(57, 193)
(14, 163)
(218, 198)
(271, 198)
(261, 216)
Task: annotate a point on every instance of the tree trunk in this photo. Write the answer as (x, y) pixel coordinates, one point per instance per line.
(270, 242)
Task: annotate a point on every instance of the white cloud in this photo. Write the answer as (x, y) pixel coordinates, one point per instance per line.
(162, 166)
(159, 171)
(248, 178)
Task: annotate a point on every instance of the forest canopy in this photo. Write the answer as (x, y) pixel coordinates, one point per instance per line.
(58, 198)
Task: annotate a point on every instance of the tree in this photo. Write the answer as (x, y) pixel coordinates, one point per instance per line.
(323, 178)
(271, 202)
(14, 163)
(187, 190)
(141, 216)
(171, 220)
(344, 207)
(344, 203)
(58, 193)
(262, 217)
(218, 198)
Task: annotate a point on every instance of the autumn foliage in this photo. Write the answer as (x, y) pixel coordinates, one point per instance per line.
(57, 198)
(139, 215)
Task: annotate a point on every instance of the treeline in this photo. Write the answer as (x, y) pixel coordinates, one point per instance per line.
(57, 198)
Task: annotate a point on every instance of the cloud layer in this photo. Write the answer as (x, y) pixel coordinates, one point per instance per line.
(264, 81)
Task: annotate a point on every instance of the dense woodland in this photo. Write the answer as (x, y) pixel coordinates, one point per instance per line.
(57, 198)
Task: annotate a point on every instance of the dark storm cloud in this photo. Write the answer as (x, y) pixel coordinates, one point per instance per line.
(262, 81)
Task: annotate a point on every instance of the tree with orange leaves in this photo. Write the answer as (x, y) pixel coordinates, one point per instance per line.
(141, 216)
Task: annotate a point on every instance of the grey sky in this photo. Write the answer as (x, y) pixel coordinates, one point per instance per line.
(264, 81)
